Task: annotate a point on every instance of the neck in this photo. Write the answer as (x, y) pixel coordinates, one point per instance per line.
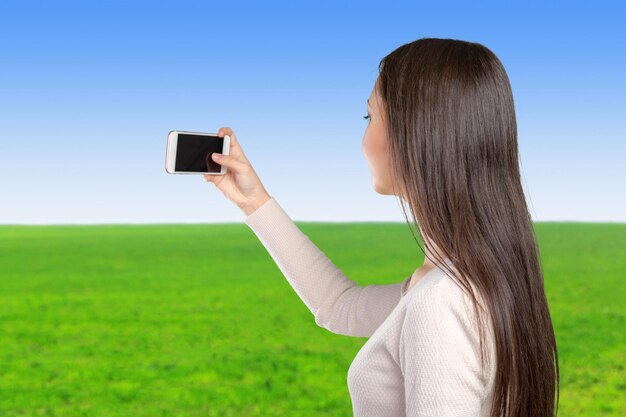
(431, 251)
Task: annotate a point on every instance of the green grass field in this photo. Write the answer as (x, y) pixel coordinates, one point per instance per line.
(197, 320)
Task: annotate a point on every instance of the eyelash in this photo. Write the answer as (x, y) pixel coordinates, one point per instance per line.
(367, 117)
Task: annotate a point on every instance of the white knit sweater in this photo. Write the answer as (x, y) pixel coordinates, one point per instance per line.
(422, 357)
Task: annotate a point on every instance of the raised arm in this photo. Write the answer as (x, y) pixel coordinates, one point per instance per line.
(338, 303)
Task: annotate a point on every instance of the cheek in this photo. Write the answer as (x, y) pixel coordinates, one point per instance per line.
(365, 145)
(375, 151)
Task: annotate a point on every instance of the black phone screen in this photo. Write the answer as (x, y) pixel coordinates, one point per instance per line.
(193, 153)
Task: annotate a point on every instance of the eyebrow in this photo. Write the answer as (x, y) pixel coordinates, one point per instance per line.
(368, 101)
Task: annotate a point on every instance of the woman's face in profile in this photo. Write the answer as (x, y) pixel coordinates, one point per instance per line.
(375, 144)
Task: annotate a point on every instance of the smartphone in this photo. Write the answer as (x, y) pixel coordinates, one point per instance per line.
(190, 152)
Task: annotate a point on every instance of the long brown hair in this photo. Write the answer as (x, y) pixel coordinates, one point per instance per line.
(452, 131)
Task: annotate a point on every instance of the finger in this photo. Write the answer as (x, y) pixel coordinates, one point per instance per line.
(226, 131)
(236, 150)
(229, 162)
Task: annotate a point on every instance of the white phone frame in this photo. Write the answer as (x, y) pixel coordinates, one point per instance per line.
(172, 144)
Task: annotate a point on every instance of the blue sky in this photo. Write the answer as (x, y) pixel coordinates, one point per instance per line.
(89, 91)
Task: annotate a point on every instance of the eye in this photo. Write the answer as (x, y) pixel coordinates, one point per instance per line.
(367, 117)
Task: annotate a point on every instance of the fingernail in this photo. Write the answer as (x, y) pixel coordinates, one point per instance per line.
(216, 155)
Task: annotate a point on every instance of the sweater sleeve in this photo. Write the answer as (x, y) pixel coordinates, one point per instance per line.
(440, 356)
(337, 303)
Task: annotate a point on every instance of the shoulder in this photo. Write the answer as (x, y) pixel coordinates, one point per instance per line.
(443, 294)
(439, 294)
(441, 319)
(442, 309)
(433, 300)
(439, 349)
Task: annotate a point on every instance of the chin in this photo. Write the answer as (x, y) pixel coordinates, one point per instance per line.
(380, 189)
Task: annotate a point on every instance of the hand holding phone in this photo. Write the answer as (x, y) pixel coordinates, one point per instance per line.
(238, 182)
(190, 152)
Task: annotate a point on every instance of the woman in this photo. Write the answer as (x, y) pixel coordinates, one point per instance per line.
(469, 333)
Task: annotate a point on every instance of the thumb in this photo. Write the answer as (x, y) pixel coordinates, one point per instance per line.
(229, 162)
